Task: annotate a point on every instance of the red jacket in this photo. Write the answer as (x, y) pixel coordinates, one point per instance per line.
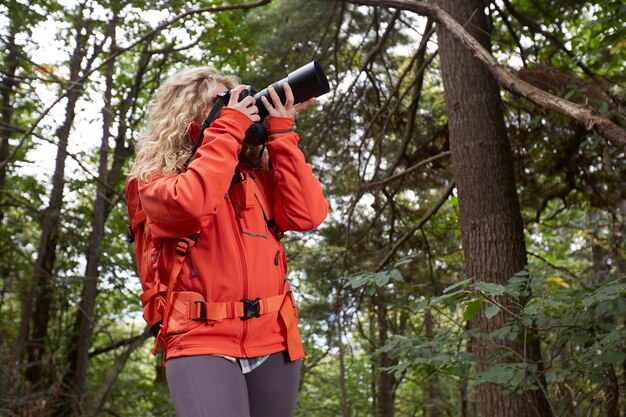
(236, 255)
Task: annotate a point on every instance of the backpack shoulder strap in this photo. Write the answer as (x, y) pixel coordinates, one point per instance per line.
(183, 246)
(220, 102)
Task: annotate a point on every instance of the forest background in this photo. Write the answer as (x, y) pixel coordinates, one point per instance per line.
(473, 261)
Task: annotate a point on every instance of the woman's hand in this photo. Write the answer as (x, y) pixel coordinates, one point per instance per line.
(288, 109)
(246, 106)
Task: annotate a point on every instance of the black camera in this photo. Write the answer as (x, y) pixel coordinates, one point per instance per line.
(306, 82)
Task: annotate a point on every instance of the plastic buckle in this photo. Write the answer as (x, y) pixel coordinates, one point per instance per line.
(182, 247)
(201, 309)
(250, 309)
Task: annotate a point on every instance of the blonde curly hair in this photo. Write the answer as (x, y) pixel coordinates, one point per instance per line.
(164, 145)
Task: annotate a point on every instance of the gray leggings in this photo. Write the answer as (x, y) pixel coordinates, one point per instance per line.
(212, 386)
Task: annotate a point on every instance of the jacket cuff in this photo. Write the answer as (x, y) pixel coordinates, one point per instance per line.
(277, 124)
(230, 115)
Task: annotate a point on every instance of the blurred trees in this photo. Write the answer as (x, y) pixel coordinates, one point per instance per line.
(387, 305)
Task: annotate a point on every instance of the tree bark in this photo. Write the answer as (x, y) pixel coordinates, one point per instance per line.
(6, 111)
(386, 379)
(433, 383)
(491, 222)
(7, 91)
(343, 389)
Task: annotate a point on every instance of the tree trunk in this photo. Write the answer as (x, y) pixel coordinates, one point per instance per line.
(491, 223)
(343, 389)
(6, 111)
(7, 88)
(599, 253)
(78, 357)
(98, 398)
(386, 379)
(433, 384)
(39, 287)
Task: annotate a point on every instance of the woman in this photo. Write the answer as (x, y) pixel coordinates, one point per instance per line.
(232, 346)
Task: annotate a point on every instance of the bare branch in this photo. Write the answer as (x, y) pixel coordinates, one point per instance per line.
(120, 51)
(122, 342)
(116, 367)
(430, 213)
(387, 180)
(587, 116)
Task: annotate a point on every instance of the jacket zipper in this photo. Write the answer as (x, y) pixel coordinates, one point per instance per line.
(195, 283)
(244, 272)
(277, 262)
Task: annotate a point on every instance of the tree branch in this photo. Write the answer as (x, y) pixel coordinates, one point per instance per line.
(120, 51)
(387, 180)
(122, 342)
(587, 116)
(116, 367)
(430, 213)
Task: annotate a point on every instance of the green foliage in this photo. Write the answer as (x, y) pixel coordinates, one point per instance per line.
(580, 329)
(374, 280)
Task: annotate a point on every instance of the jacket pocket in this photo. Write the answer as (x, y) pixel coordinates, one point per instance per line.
(252, 222)
(248, 209)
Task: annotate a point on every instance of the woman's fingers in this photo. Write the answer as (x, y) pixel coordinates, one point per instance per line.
(275, 99)
(246, 105)
(248, 101)
(267, 103)
(288, 95)
(234, 95)
(278, 109)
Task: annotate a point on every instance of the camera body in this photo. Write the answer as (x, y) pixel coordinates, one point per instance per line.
(306, 82)
(257, 132)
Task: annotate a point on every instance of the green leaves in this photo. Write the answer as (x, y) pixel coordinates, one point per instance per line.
(492, 311)
(373, 280)
(514, 377)
(490, 289)
(472, 309)
(581, 322)
(610, 292)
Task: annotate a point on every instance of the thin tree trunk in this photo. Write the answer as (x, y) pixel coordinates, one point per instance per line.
(375, 369)
(7, 92)
(416, 95)
(6, 111)
(386, 379)
(599, 252)
(343, 389)
(491, 223)
(433, 383)
(39, 286)
(83, 327)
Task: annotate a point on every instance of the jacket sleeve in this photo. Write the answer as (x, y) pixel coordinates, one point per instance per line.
(182, 204)
(299, 203)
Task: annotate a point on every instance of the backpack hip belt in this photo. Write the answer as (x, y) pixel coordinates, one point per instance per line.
(244, 309)
(192, 306)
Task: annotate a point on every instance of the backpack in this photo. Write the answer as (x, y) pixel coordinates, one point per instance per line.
(156, 296)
